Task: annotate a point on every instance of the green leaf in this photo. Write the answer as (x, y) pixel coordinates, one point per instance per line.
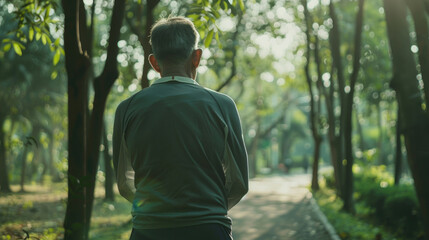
(202, 34)
(57, 42)
(48, 10)
(44, 39)
(7, 47)
(209, 38)
(17, 48)
(241, 4)
(31, 34)
(57, 57)
(38, 35)
(54, 75)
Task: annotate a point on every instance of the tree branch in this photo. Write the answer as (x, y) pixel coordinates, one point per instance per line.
(234, 54)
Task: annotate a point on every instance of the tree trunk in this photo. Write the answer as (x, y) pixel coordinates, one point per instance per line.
(417, 8)
(108, 170)
(50, 160)
(398, 152)
(338, 141)
(253, 153)
(315, 107)
(348, 189)
(413, 120)
(4, 176)
(360, 131)
(381, 159)
(102, 86)
(315, 175)
(78, 70)
(147, 48)
(23, 167)
(83, 148)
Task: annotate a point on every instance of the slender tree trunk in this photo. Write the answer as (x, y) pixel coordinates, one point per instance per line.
(253, 153)
(335, 43)
(316, 157)
(413, 120)
(4, 176)
(78, 71)
(283, 146)
(108, 170)
(23, 167)
(360, 131)
(314, 106)
(398, 152)
(102, 86)
(50, 160)
(381, 159)
(349, 189)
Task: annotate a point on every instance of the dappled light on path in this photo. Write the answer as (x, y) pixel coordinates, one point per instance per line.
(277, 208)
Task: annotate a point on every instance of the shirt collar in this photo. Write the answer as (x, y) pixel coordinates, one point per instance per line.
(175, 78)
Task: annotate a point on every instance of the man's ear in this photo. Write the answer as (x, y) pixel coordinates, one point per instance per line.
(196, 57)
(154, 63)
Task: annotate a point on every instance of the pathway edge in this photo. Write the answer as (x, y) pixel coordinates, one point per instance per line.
(322, 218)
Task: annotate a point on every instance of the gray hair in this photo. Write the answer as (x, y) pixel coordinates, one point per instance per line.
(173, 39)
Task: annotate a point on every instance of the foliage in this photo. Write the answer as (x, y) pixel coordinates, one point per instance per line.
(32, 20)
(394, 208)
(348, 227)
(204, 14)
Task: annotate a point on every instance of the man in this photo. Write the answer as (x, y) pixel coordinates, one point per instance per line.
(178, 147)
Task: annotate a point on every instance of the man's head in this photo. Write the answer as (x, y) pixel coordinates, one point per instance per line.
(174, 44)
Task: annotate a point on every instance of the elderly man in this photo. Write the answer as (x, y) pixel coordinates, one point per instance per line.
(178, 147)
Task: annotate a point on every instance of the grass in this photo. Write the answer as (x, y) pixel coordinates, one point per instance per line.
(39, 213)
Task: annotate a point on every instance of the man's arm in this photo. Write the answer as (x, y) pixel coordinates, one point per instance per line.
(121, 161)
(236, 163)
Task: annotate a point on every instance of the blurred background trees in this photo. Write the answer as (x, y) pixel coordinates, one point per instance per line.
(57, 113)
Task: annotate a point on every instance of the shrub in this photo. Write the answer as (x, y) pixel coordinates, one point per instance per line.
(400, 211)
(395, 207)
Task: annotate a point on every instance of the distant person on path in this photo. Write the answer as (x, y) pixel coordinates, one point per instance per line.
(178, 148)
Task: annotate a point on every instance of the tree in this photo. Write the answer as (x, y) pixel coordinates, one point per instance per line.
(336, 141)
(413, 118)
(348, 188)
(84, 135)
(4, 176)
(315, 98)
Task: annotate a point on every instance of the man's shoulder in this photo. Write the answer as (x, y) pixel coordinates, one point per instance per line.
(221, 97)
(125, 103)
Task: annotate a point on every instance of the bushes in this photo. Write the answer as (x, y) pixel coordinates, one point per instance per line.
(395, 207)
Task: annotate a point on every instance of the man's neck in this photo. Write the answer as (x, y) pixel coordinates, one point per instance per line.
(179, 70)
(175, 73)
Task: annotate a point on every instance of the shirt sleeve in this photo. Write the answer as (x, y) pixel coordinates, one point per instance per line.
(235, 158)
(121, 160)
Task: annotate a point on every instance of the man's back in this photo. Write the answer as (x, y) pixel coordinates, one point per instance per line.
(178, 148)
(176, 137)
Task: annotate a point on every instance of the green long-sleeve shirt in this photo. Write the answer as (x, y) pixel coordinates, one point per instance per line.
(179, 155)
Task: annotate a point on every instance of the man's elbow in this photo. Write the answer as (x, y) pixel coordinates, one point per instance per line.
(126, 193)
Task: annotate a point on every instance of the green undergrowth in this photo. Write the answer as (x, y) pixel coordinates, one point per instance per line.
(383, 211)
(349, 227)
(39, 213)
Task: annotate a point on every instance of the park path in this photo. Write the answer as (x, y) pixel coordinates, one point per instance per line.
(279, 208)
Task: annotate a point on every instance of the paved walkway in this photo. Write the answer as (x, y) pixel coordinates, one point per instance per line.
(278, 208)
